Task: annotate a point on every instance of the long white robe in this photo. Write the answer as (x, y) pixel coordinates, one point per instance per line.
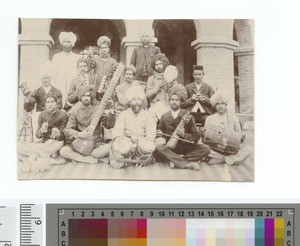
(65, 65)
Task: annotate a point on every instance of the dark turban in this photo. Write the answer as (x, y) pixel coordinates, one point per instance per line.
(162, 57)
(52, 96)
(178, 90)
(85, 88)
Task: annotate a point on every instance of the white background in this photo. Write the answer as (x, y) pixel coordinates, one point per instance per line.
(277, 99)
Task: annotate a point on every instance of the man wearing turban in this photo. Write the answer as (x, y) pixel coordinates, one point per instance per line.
(186, 153)
(135, 123)
(122, 102)
(103, 65)
(65, 63)
(142, 57)
(77, 127)
(157, 87)
(198, 96)
(224, 119)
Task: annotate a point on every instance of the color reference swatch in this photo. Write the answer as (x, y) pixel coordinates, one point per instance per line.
(177, 232)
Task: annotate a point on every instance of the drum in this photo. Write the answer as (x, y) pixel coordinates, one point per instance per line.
(121, 149)
(144, 151)
(222, 140)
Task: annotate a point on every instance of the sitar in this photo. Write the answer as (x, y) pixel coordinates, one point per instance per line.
(173, 141)
(86, 146)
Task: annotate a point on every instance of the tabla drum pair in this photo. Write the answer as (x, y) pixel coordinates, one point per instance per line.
(124, 152)
(144, 151)
(222, 140)
(122, 148)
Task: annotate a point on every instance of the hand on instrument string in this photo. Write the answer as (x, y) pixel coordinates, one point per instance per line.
(159, 133)
(85, 134)
(44, 127)
(180, 132)
(55, 133)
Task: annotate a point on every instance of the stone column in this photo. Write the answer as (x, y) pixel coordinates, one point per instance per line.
(34, 42)
(245, 59)
(215, 46)
(132, 40)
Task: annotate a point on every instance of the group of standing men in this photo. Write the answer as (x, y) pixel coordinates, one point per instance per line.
(149, 110)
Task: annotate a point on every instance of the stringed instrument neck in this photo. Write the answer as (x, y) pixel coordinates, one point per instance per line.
(100, 107)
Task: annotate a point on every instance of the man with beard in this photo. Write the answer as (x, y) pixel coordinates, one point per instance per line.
(77, 127)
(51, 123)
(229, 121)
(36, 98)
(65, 63)
(157, 87)
(142, 57)
(187, 152)
(198, 96)
(103, 64)
(122, 102)
(82, 79)
(134, 125)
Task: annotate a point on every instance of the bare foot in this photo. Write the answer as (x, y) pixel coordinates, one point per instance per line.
(193, 166)
(215, 161)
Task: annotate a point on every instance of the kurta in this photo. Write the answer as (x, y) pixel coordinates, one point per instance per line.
(154, 92)
(65, 70)
(227, 121)
(76, 83)
(231, 122)
(135, 126)
(57, 119)
(157, 96)
(80, 118)
(141, 58)
(37, 97)
(102, 66)
(122, 102)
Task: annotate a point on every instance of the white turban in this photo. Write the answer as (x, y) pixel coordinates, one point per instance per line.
(145, 31)
(104, 40)
(67, 36)
(171, 73)
(135, 91)
(46, 69)
(218, 98)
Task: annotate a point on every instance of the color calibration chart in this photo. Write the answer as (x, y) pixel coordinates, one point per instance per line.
(161, 225)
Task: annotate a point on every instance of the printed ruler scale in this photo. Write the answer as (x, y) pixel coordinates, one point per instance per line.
(31, 224)
(185, 225)
(7, 226)
(149, 224)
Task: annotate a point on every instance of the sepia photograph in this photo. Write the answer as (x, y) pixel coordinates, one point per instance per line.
(120, 99)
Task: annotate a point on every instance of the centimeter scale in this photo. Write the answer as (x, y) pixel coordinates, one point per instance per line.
(211, 225)
(150, 224)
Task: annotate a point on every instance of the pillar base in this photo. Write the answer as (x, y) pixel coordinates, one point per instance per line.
(215, 43)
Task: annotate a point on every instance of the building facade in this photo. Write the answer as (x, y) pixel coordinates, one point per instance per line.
(224, 47)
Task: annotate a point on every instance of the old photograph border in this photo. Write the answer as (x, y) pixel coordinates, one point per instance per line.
(224, 47)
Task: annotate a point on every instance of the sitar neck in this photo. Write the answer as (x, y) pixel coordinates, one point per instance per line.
(99, 109)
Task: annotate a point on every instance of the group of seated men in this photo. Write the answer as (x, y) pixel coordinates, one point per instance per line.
(144, 121)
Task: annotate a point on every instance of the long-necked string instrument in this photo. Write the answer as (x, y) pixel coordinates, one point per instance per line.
(86, 146)
(173, 141)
